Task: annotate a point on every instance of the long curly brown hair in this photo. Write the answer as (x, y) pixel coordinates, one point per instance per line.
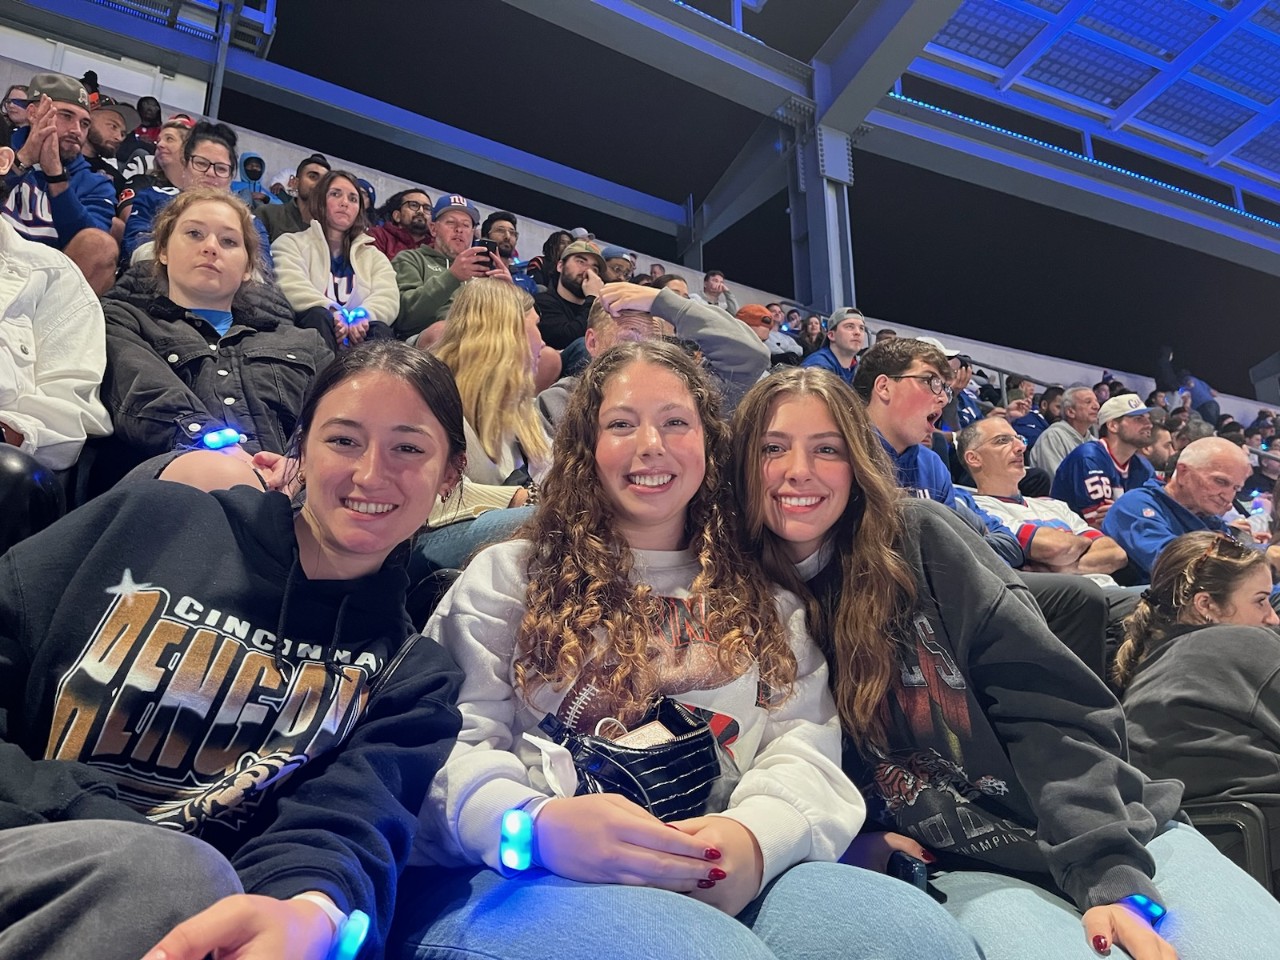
(878, 591)
(579, 565)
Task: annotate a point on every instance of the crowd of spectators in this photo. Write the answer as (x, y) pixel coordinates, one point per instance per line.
(161, 319)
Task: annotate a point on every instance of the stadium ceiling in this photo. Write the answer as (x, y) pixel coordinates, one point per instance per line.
(1197, 77)
(1157, 115)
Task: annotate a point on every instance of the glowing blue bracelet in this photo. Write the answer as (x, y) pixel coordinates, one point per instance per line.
(351, 938)
(217, 439)
(1147, 907)
(352, 317)
(515, 846)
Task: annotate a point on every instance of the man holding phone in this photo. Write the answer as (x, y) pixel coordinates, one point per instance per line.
(428, 277)
(500, 233)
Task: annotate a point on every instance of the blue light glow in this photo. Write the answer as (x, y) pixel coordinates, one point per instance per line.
(1153, 911)
(1075, 155)
(515, 847)
(217, 439)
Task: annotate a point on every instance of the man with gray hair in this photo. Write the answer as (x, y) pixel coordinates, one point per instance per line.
(1079, 413)
(1209, 474)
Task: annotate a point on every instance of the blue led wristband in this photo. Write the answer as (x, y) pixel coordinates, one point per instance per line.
(515, 846)
(352, 317)
(217, 439)
(347, 944)
(1146, 907)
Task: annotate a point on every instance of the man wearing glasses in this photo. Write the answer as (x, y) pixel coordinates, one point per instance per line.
(905, 383)
(1053, 535)
(406, 223)
(55, 198)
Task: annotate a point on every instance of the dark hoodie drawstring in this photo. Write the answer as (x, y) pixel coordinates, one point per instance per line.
(276, 655)
(331, 665)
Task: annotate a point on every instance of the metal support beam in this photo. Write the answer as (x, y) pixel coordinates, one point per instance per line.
(865, 55)
(1229, 20)
(333, 104)
(97, 27)
(821, 238)
(757, 173)
(228, 15)
(685, 43)
(980, 155)
(102, 28)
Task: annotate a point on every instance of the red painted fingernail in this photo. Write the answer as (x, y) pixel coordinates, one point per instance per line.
(715, 873)
(928, 857)
(706, 884)
(1102, 945)
(711, 853)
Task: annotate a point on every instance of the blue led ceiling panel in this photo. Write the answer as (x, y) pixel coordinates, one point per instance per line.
(1160, 28)
(1245, 62)
(988, 31)
(1090, 71)
(1269, 17)
(1053, 6)
(1195, 114)
(1263, 150)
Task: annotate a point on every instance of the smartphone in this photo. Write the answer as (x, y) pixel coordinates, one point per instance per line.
(913, 870)
(490, 245)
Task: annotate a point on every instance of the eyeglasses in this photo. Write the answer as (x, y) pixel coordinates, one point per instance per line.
(16, 102)
(1001, 441)
(937, 386)
(203, 164)
(416, 206)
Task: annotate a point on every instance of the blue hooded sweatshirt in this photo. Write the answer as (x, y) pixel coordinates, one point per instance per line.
(246, 187)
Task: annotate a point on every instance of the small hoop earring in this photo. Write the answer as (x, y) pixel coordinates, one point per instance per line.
(444, 497)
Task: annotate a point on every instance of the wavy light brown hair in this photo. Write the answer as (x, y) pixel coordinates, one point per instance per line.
(580, 566)
(878, 593)
(1194, 563)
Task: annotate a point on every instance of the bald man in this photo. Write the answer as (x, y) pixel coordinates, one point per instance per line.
(1209, 474)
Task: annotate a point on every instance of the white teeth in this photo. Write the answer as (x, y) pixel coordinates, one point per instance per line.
(799, 501)
(361, 506)
(650, 479)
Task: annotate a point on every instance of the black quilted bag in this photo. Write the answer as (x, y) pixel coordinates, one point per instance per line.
(672, 779)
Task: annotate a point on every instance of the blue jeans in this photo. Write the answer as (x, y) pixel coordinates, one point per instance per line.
(814, 911)
(453, 545)
(1216, 910)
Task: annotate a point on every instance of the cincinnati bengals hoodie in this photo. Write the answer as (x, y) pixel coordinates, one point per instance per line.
(163, 656)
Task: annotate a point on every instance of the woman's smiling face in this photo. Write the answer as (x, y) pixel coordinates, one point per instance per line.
(374, 459)
(806, 473)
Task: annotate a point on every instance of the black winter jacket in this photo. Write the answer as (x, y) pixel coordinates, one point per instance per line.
(171, 378)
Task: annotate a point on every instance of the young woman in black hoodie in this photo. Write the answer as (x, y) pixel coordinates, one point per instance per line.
(217, 723)
(985, 747)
